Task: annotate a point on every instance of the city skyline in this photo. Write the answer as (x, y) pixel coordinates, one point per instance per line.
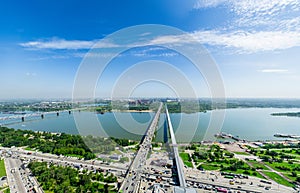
(255, 44)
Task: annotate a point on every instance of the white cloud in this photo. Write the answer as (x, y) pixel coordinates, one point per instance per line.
(257, 25)
(30, 74)
(146, 51)
(274, 71)
(263, 7)
(241, 40)
(251, 42)
(94, 54)
(163, 54)
(56, 43)
(291, 24)
(250, 6)
(145, 34)
(208, 3)
(254, 13)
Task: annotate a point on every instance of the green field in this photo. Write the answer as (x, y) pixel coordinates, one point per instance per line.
(284, 167)
(5, 190)
(210, 166)
(186, 159)
(257, 165)
(29, 149)
(278, 179)
(2, 168)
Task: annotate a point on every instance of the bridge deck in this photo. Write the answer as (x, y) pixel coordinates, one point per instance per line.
(179, 167)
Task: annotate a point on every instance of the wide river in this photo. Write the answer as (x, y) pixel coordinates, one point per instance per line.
(247, 123)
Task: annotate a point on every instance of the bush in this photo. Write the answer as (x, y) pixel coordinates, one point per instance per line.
(246, 172)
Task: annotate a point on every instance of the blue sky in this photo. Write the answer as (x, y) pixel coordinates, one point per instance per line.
(255, 44)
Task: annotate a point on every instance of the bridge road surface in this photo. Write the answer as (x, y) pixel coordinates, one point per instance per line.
(182, 182)
(133, 175)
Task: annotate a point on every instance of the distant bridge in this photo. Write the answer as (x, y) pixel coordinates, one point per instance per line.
(29, 116)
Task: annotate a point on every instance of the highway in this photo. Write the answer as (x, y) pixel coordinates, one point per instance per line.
(70, 161)
(14, 176)
(67, 161)
(135, 170)
(19, 180)
(179, 164)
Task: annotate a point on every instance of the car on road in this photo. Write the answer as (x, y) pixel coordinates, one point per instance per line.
(208, 187)
(222, 190)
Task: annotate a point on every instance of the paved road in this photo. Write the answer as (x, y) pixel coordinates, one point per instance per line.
(133, 176)
(89, 164)
(13, 175)
(69, 161)
(19, 180)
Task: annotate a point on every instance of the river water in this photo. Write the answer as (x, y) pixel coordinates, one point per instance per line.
(247, 123)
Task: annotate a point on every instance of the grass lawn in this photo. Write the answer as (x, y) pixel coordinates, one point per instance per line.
(29, 149)
(288, 152)
(185, 156)
(210, 167)
(115, 152)
(278, 179)
(2, 168)
(257, 165)
(188, 164)
(258, 175)
(4, 190)
(289, 176)
(186, 159)
(283, 164)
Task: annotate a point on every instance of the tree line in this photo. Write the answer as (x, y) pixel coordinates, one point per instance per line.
(59, 144)
(59, 179)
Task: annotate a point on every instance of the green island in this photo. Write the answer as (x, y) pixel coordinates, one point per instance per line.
(289, 114)
(189, 106)
(67, 179)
